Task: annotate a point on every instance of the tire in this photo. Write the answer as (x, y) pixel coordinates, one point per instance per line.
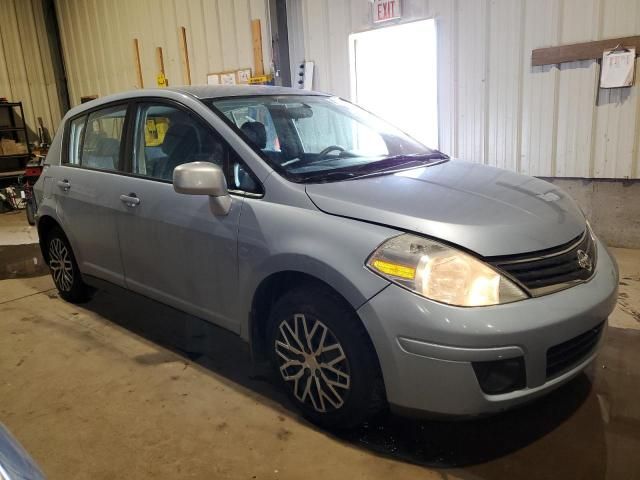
(64, 268)
(345, 370)
(31, 213)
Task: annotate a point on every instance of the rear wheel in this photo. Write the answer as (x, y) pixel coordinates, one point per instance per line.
(323, 358)
(64, 269)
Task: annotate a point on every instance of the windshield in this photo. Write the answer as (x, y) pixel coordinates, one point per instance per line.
(319, 138)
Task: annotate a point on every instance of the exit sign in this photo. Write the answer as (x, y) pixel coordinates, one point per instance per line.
(384, 10)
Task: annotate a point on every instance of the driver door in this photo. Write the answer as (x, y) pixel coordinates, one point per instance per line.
(174, 249)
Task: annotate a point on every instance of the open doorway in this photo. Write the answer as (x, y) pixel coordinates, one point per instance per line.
(394, 75)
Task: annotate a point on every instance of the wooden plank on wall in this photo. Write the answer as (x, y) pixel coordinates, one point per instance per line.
(256, 34)
(580, 51)
(186, 72)
(160, 60)
(138, 65)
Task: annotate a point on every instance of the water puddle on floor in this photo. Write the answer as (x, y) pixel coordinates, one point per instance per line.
(21, 261)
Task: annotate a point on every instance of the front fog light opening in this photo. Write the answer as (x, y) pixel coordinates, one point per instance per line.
(500, 376)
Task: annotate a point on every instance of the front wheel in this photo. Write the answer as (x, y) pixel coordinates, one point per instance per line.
(64, 269)
(323, 358)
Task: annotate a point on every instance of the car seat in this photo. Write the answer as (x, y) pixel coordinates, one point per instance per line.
(105, 156)
(180, 144)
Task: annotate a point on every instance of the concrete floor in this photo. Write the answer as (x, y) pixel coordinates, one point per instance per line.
(124, 388)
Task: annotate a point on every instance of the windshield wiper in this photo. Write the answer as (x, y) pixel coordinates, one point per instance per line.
(412, 157)
(397, 163)
(322, 177)
(384, 166)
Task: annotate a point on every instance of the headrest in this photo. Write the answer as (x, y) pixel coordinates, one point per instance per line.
(256, 132)
(176, 135)
(107, 147)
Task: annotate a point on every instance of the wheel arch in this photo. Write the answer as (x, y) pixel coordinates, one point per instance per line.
(267, 293)
(46, 223)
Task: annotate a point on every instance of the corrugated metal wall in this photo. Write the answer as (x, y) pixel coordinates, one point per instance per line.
(494, 107)
(97, 40)
(26, 69)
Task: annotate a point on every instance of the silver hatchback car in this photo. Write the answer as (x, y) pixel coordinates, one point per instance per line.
(369, 269)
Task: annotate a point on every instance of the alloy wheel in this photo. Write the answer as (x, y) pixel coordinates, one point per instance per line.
(313, 363)
(61, 265)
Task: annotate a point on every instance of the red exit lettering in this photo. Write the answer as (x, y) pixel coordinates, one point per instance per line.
(386, 10)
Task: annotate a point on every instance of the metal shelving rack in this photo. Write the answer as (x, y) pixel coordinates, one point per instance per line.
(13, 128)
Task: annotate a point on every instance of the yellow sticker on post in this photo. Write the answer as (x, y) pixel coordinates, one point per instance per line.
(161, 80)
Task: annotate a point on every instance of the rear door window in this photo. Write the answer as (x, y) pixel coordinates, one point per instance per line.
(103, 138)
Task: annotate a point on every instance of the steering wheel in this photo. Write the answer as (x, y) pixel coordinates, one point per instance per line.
(327, 150)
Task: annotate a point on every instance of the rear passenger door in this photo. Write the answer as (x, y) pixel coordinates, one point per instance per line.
(174, 248)
(85, 187)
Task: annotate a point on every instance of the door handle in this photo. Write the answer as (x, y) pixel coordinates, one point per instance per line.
(130, 200)
(64, 185)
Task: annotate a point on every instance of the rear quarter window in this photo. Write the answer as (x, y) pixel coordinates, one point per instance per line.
(76, 132)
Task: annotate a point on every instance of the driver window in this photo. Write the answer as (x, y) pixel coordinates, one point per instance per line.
(167, 137)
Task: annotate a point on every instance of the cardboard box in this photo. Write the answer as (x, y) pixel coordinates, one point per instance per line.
(9, 146)
(21, 147)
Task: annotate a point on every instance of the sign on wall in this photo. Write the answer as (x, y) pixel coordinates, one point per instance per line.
(618, 67)
(384, 10)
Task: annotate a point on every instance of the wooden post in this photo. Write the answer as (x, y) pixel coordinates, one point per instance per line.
(161, 78)
(256, 34)
(160, 60)
(138, 66)
(186, 69)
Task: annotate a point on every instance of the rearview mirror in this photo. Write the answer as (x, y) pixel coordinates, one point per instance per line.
(203, 178)
(293, 111)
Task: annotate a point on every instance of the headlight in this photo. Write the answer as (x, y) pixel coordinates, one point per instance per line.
(442, 273)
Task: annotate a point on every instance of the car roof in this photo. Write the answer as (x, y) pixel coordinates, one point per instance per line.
(218, 91)
(201, 92)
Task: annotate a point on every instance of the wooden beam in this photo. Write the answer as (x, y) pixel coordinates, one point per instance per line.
(160, 60)
(580, 51)
(256, 34)
(138, 65)
(186, 68)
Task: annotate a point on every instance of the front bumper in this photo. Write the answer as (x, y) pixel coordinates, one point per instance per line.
(426, 348)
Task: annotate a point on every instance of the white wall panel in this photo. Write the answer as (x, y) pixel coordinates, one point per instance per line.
(472, 91)
(494, 107)
(502, 84)
(616, 127)
(447, 27)
(577, 91)
(26, 69)
(97, 40)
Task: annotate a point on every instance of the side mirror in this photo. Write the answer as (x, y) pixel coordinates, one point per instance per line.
(203, 178)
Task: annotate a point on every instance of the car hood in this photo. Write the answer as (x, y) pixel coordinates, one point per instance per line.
(487, 210)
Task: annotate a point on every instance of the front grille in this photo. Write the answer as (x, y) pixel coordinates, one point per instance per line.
(566, 355)
(553, 269)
